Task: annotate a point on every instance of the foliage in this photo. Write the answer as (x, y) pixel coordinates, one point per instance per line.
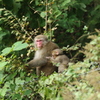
(92, 49)
(73, 25)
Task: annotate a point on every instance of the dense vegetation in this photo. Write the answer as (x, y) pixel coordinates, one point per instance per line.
(74, 25)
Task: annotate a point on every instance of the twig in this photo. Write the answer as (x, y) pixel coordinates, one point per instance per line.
(46, 16)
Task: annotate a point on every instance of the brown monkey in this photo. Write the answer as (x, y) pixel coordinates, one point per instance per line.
(59, 59)
(44, 49)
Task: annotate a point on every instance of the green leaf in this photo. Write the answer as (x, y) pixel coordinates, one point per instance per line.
(11, 76)
(3, 91)
(43, 14)
(19, 81)
(16, 6)
(0, 28)
(83, 5)
(6, 51)
(37, 2)
(19, 46)
(1, 76)
(27, 92)
(1, 9)
(2, 33)
(2, 65)
(17, 96)
(65, 2)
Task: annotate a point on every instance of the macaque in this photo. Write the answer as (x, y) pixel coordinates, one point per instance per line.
(43, 49)
(59, 59)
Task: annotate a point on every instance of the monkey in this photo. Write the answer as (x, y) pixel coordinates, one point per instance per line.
(59, 59)
(44, 48)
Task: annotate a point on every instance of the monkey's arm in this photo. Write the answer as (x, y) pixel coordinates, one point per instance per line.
(37, 62)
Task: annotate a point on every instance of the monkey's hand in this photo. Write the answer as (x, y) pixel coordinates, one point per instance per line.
(48, 57)
(37, 62)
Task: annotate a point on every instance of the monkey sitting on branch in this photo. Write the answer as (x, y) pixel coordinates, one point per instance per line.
(44, 49)
(59, 59)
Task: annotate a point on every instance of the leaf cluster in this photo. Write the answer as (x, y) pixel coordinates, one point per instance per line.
(73, 25)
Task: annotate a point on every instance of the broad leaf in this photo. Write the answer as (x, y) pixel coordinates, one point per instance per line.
(19, 81)
(43, 14)
(6, 51)
(19, 46)
(27, 92)
(3, 91)
(2, 65)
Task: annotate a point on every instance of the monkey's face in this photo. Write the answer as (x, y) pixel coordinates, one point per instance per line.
(39, 43)
(54, 54)
(57, 52)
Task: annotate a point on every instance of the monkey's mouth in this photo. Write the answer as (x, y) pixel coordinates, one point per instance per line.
(39, 45)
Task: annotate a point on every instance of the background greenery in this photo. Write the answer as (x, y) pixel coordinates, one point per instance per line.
(74, 25)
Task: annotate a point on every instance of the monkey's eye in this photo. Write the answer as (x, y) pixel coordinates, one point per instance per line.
(39, 40)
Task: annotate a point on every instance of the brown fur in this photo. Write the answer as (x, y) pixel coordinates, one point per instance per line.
(39, 61)
(59, 57)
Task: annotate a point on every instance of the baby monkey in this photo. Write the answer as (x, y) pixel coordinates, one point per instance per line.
(59, 59)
